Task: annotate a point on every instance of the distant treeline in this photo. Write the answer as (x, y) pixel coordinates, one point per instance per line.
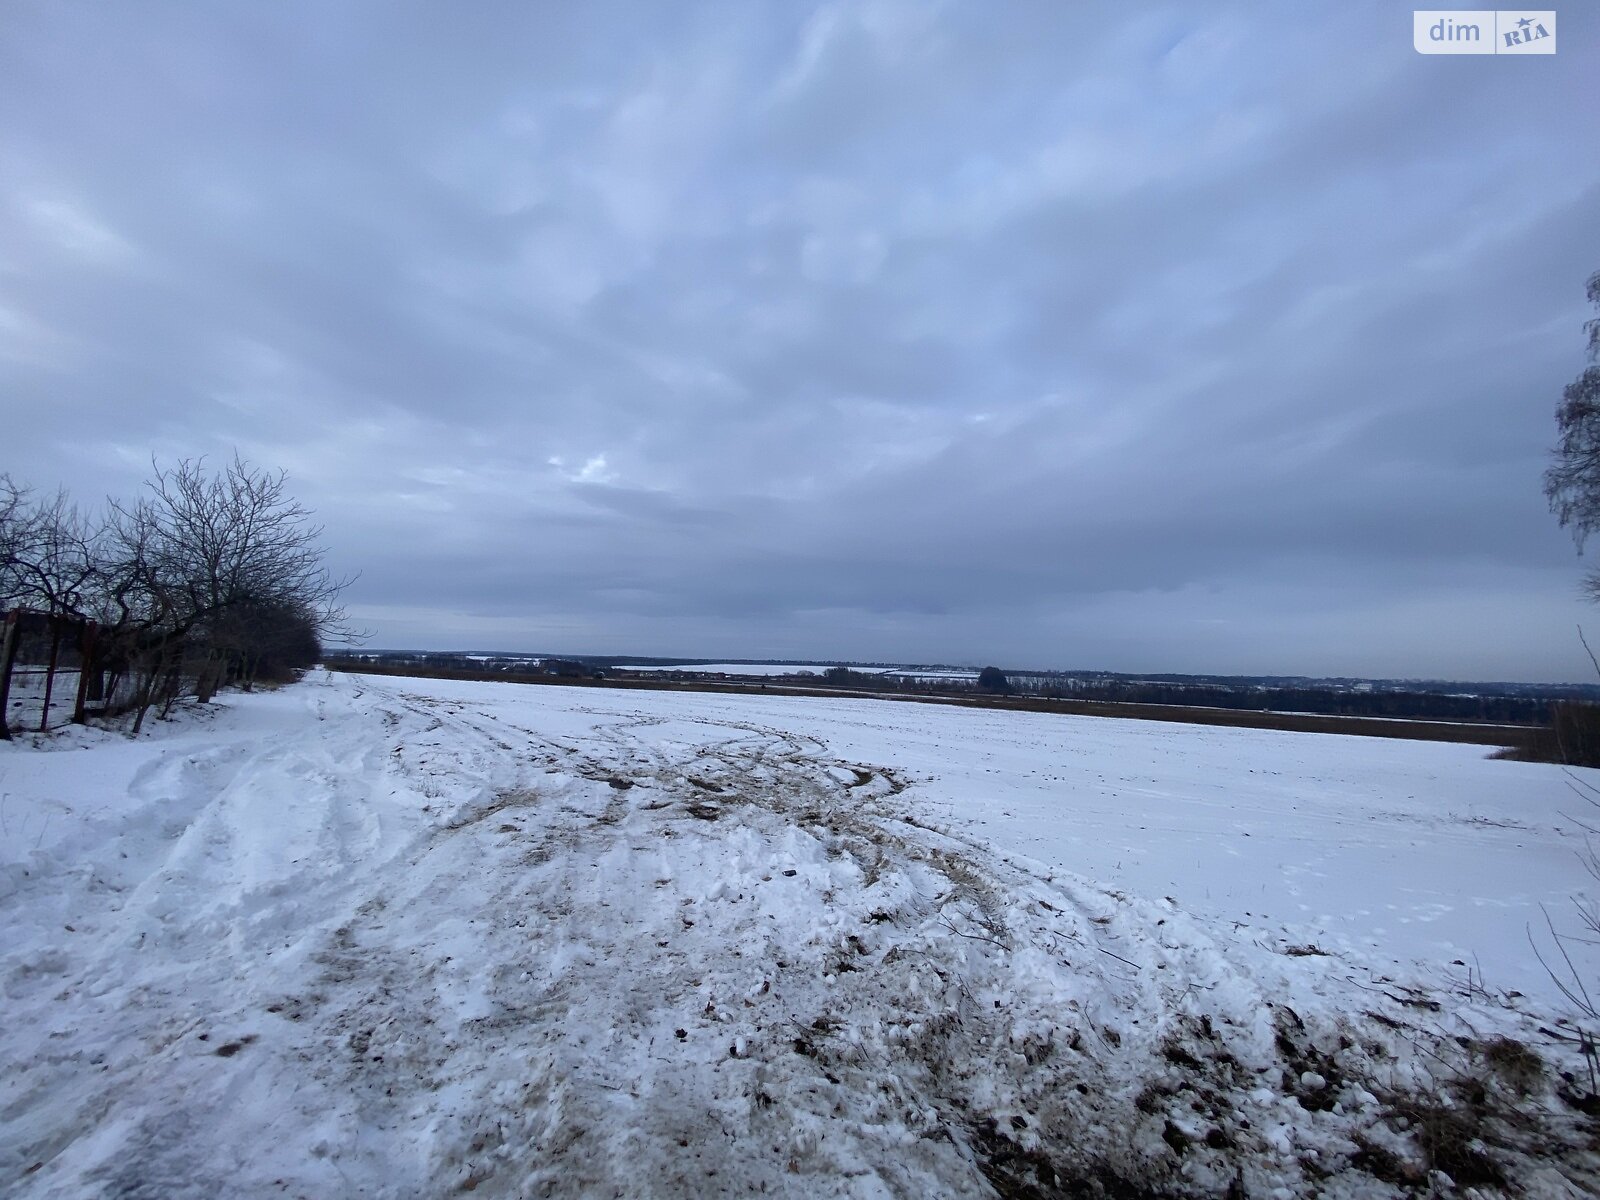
(1497, 709)
(1425, 706)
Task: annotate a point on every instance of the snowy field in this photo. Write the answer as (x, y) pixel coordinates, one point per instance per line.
(400, 938)
(779, 669)
(733, 668)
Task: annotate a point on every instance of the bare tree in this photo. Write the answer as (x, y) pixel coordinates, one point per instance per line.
(993, 679)
(214, 567)
(252, 640)
(14, 517)
(209, 541)
(1572, 484)
(56, 558)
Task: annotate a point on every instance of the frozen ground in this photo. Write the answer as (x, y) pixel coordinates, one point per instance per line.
(401, 938)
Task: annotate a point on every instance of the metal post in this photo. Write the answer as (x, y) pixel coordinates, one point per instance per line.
(86, 640)
(8, 655)
(50, 672)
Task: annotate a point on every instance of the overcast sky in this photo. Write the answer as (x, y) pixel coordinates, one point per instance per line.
(1201, 337)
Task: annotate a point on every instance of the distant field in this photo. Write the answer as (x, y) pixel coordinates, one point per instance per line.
(757, 670)
(1473, 733)
(733, 668)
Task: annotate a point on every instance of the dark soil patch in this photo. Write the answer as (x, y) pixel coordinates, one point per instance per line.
(229, 1049)
(1178, 1055)
(1019, 1173)
(1384, 1164)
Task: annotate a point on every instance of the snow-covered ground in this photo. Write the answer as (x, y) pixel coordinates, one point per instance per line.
(391, 937)
(767, 669)
(779, 669)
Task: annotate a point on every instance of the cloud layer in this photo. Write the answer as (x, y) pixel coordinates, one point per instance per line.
(1219, 338)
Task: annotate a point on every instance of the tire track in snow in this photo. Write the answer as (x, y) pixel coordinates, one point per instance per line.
(942, 922)
(238, 852)
(693, 956)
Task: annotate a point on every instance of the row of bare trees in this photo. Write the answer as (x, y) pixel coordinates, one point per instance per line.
(209, 576)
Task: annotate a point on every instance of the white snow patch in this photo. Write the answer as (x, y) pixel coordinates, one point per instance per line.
(393, 938)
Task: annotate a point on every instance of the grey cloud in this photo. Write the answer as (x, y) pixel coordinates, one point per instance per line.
(1174, 338)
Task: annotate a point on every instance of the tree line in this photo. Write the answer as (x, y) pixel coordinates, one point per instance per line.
(1426, 706)
(208, 576)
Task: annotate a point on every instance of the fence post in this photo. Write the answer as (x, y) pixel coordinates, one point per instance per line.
(8, 655)
(50, 671)
(86, 640)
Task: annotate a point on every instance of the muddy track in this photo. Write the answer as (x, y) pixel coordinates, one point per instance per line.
(1043, 1036)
